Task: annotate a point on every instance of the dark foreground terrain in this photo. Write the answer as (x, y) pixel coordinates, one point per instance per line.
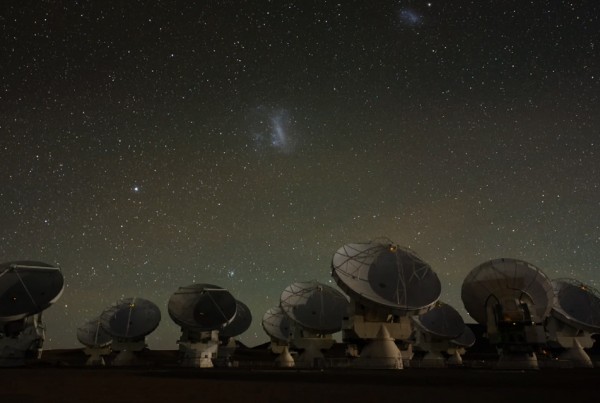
(61, 376)
(56, 384)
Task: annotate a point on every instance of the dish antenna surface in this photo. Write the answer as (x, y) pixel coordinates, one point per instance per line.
(97, 341)
(574, 319)
(240, 323)
(131, 319)
(277, 325)
(577, 304)
(203, 307)
(26, 289)
(202, 311)
(443, 322)
(466, 338)
(508, 284)
(280, 328)
(92, 334)
(386, 275)
(316, 311)
(387, 284)
(128, 322)
(314, 306)
(512, 298)
(436, 332)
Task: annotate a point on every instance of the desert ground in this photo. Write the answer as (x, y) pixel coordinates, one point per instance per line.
(58, 379)
(235, 385)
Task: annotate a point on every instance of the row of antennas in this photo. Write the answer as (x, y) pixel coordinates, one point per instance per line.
(389, 307)
(391, 303)
(392, 310)
(209, 317)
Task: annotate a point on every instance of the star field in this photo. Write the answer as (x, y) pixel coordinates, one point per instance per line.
(146, 147)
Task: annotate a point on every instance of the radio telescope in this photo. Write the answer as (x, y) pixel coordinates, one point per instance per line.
(128, 322)
(461, 343)
(316, 312)
(387, 284)
(575, 317)
(26, 289)
(202, 310)
(96, 341)
(512, 298)
(279, 328)
(438, 331)
(240, 323)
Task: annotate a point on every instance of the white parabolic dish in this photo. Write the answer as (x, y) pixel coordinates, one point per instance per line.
(277, 324)
(91, 334)
(577, 304)
(442, 321)
(130, 318)
(240, 323)
(315, 306)
(465, 339)
(202, 307)
(386, 275)
(27, 288)
(507, 282)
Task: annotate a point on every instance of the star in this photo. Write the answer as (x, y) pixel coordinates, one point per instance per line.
(213, 149)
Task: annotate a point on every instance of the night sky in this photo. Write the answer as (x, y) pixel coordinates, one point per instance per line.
(150, 145)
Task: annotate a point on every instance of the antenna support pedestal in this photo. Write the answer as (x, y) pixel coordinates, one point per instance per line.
(96, 355)
(126, 351)
(197, 349)
(15, 349)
